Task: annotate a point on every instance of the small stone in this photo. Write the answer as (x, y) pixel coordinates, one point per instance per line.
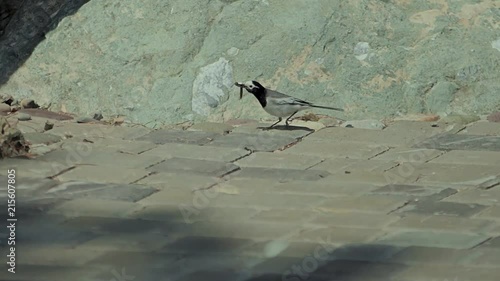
(48, 125)
(98, 116)
(494, 117)
(4, 107)
(23, 117)
(365, 124)
(84, 119)
(29, 103)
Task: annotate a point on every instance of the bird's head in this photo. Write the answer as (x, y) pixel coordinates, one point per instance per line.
(253, 87)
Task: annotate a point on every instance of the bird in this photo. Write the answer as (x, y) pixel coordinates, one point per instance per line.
(276, 103)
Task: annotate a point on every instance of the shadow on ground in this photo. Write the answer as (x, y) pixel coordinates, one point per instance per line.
(23, 25)
(60, 246)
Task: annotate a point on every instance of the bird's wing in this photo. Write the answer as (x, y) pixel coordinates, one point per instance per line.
(281, 98)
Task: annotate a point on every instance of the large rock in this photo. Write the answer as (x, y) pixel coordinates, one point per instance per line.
(158, 61)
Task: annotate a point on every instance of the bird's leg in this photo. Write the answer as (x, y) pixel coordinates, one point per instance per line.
(286, 121)
(274, 123)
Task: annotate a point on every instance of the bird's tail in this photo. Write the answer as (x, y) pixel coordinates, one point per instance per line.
(326, 107)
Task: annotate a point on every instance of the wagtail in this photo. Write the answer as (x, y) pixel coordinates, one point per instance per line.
(276, 103)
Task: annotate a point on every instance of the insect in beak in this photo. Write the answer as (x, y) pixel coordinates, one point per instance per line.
(241, 88)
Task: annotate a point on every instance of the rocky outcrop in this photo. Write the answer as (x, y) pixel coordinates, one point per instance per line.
(159, 61)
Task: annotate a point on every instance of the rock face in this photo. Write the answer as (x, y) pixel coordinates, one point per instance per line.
(160, 61)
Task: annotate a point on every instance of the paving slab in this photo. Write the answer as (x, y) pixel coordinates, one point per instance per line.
(143, 241)
(50, 230)
(461, 142)
(483, 257)
(476, 196)
(206, 245)
(442, 223)
(267, 200)
(55, 273)
(365, 203)
(194, 166)
(353, 218)
(454, 240)
(343, 166)
(360, 270)
(407, 154)
(482, 128)
(336, 235)
(33, 168)
(163, 136)
(93, 207)
(178, 181)
(133, 261)
(337, 149)
(246, 230)
(409, 190)
(27, 187)
(295, 130)
(213, 153)
(102, 174)
(104, 191)
(469, 157)
(432, 256)
(42, 138)
(254, 142)
(219, 128)
(280, 174)
(396, 134)
(285, 215)
(110, 144)
(175, 212)
(446, 174)
(70, 129)
(247, 185)
(56, 255)
(328, 187)
(451, 273)
(278, 160)
(490, 213)
(87, 154)
(443, 208)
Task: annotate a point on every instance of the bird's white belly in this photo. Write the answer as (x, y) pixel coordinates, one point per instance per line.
(281, 110)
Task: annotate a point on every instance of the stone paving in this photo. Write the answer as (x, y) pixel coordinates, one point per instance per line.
(414, 201)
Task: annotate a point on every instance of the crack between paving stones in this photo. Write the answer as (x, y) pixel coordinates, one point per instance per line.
(229, 172)
(437, 156)
(297, 140)
(380, 153)
(149, 174)
(62, 172)
(241, 157)
(314, 165)
(400, 207)
(485, 241)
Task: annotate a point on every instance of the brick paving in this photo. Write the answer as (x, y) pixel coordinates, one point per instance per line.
(219, 202)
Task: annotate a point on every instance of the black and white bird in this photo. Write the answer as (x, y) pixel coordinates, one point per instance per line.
(276, 103)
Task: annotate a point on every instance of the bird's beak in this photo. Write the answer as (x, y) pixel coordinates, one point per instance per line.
(241, 85)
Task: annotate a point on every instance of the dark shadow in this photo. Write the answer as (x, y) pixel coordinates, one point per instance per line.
(286, 128)
(23, 25)
(162, 246)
